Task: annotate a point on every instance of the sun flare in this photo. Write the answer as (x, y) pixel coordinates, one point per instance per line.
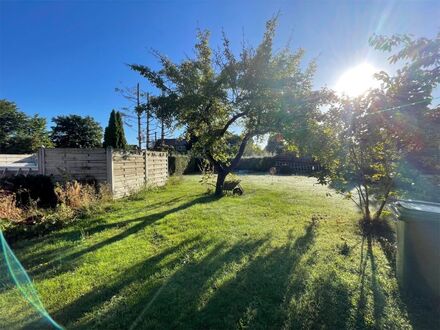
(357, 80)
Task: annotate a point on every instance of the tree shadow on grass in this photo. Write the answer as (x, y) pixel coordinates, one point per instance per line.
(227, 288)
(166, 286)
(325, 304)
(67, 262)
(311, 302)
(367, 283)
(88, 228)
(257, 296)
(422, 313)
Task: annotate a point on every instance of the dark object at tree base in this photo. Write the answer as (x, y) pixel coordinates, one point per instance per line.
(234, 187)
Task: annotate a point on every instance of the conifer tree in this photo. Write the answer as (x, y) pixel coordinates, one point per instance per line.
(114, 135)
(121, 142)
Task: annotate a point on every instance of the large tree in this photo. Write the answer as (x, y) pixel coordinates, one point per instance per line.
(259, 91)
(358, 152)
(114, 135)
(20, 133)
(74, 131)
(364, 143)
(410, 89)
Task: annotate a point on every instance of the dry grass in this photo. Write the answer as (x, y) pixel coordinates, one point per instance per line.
(76, 195)
(75, 200)
(8, 210)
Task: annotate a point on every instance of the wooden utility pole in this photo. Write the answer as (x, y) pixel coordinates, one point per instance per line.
(162, 132)
(139, 113)
(148, 121)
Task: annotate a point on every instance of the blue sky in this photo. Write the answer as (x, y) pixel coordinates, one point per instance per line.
(59, 57)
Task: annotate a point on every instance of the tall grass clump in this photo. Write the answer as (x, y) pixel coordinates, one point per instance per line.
(74, 200)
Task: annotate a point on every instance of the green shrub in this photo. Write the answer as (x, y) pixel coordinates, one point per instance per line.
(178, 164)
(183, 164)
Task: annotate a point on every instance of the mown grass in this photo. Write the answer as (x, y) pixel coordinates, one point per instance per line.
(178, 258)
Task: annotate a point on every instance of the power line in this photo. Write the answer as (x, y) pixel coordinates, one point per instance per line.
(401, 106)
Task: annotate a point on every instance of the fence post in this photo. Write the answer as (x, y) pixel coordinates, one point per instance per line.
(168, 172)
(109, 156)
(146, 167)
(41, 161)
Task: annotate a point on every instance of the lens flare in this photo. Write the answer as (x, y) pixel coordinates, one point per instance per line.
(16, 287)
(357, 80)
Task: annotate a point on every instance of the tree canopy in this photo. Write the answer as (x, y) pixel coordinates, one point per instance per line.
(74, 131)
(363, 142)
(20, 133)
(258, 91)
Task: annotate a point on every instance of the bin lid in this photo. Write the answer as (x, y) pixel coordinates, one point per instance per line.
(418, 210)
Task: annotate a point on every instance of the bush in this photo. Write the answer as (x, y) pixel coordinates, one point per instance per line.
(182, 164)
(29, 189)
(177, 165)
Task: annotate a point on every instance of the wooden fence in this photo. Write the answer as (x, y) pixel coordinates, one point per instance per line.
(133, 171)
(124, 172)
(66, 164)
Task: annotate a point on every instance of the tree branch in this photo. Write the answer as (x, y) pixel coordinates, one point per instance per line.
(384, 201)
(230, 122)
(237, 157)
(217, 165)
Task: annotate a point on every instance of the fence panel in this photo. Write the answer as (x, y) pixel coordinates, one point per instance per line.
(65, 164)
(157, 168)
(128, 173)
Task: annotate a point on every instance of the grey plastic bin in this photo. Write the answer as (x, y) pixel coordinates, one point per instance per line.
(418, 247)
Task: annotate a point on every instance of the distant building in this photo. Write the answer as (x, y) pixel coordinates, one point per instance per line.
(178, 145)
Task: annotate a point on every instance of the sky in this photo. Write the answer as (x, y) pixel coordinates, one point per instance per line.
(67, 57)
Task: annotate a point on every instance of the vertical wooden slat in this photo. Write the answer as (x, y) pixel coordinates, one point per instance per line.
(42, 161)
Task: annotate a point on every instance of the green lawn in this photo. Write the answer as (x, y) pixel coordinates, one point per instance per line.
(178, 258)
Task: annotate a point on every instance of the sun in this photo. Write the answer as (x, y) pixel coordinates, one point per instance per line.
(357, 80)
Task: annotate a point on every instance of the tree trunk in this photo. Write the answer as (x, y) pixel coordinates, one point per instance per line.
(382, 205)
(367, 205)
(221, 176)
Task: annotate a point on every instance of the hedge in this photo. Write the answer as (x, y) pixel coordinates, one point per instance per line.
(256, 164)
(182, 164)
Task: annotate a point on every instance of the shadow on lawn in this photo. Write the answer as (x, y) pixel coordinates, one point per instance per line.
(248, 284)
(369, 283)
(67, 262)
(421, 313)
(90, 227)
